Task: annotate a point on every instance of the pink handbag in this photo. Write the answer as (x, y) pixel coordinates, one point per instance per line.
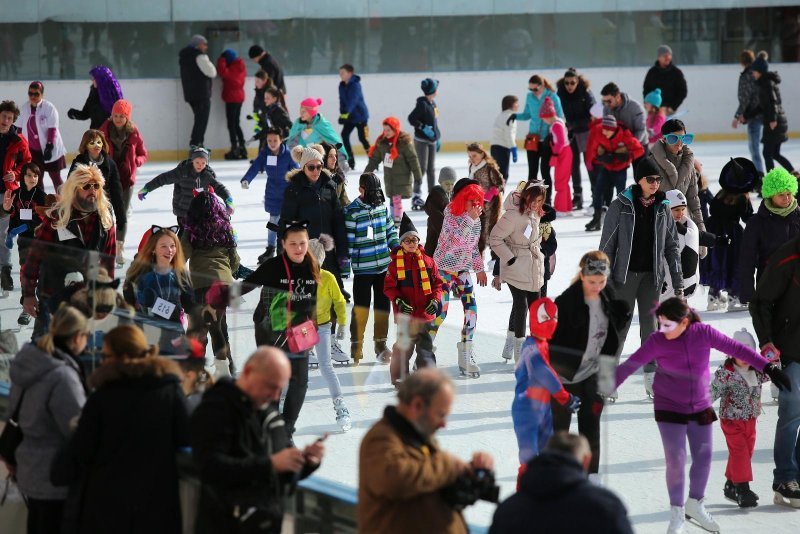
(304, 336)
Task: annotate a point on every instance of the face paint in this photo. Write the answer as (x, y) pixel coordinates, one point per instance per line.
(667, 326)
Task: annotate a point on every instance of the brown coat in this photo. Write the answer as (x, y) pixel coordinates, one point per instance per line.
(400, 477)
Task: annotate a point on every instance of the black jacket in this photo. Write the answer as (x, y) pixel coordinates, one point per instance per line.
(769, 99)
(576, 106)
(196, 85)
(670, 81)
(425, 113)
(92, 110)
(121, 461)
(232, 443)
(319, 204)
(556, 496)
(549, 245)
(435, 204)
(112, 187)
(774, 307)
(277, 117)
(572, 332)
(275, 72)
(185, 180)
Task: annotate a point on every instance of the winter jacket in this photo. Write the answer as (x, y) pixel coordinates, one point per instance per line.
(17, 154)
(112, 186)
(576, 106)
(232, 442)
(275, 72)
(21, 200)
(276, 167)
(135, 155)
(671, 82)
(740, 401)
(535, 382)
(555, 495)
(127, 438)
(747, 93)
(321, 130)
(425, 113)
(397, 177)
(504, 133)
(654, 123)
(437, 201)
(399, 471)
(143, 293)
(369, 250)
(516, 237)
(677, 172)
(410, 287)
(774, 306)
(683, 377)
(209, 264)
(185, 180)
(631, 114)
(46, 119)
(690, 239)
(351, 101)
(54, 393)
(764, 233)
(568, 344)
(232, 75)
(457, 249)
(318, 204)
(330, 296)
(92, 110)
(277, 117)
(617, 238)
(769, 98)
(531, 113)
(195, 81)
(610, 159)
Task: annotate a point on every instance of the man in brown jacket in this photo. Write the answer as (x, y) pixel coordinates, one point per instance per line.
(401, 469)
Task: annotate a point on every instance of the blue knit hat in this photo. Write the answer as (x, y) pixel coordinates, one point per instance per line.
(229, 55)
(429, 86)
(653, 98)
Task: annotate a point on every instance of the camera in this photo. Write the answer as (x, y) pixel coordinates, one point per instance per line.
(471, 487)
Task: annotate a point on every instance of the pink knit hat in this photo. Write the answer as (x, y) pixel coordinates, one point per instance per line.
(122, 107)
(311, 105)
(548, 109)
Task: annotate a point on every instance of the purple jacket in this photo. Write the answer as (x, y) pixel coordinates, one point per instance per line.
(683, 376)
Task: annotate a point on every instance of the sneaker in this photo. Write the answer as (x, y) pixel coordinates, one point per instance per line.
(337, 354)
(677, 520)
(24, 319)
(6, 282)
(696, 511)
(342, 414)
(787, 493)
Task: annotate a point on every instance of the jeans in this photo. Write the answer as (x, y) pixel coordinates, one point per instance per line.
(296, 394)
(232, 113)
(272, 235)
(605, 184)
(426, 154)
(787, 446)
(201, 110)
(363, 134)
(323, 350)
(754, 128)
(772, 153)
(639, 289)
(502, 156)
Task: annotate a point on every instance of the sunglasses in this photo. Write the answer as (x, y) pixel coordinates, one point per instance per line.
(575, 82)
(314, 168)
(155, 229)
(411, 240)
(536, 88)
(34, 93)
(91, 185)
(653, 179)
(673, 139)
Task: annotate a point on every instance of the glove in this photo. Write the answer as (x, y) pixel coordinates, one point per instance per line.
(778, 377)
(514, 155)
(344, 266)
(403, 306)
(438, 145)
(722, 240)
(245, 184)
(14, 232)
(574, 403)
(142, 193)
(511, 118)
(428, 131)
(343, 118)
(229, 205)
(72, 113)
(511, 261)
(48, 152)
(432, 308)
(340, 332)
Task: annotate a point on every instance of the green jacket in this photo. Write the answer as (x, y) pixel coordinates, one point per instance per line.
(209, 264)
(397, 178)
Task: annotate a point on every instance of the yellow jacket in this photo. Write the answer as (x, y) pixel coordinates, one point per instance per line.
(328, 294)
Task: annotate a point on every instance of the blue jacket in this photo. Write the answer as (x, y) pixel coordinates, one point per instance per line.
(321, 130)
(351, 100)
(532, 104)
(276, 185)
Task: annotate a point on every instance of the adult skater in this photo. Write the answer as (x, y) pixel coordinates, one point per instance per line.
(627, 111)
(749, 111)
(38, 123)
(577, 101)
(270, 65)
(103, 93)
(197, 71)
(666, 76)
(232, 71)
(775, 123)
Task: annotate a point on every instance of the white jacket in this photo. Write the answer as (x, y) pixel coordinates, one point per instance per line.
(502, 134)
(689, 249)
(46, 118)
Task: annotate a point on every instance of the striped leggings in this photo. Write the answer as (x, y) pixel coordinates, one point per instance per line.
(461, 285)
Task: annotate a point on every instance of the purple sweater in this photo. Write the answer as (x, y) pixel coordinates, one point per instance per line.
(683, 376)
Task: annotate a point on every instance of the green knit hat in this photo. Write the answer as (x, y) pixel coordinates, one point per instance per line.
(778, 181)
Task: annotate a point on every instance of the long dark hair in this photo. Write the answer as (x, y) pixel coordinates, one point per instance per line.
(207, 223)
(677, 310)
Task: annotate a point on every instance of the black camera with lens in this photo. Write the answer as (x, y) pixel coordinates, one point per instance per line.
(471, 487)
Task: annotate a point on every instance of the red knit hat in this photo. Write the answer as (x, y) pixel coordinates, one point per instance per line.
(548, 109)
(394, 124)
(122, 107)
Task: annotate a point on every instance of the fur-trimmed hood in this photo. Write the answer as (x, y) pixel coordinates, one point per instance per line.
(291, 175)
(128, 369)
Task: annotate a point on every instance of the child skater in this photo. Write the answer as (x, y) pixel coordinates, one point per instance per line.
(561, 160)
(655, 116)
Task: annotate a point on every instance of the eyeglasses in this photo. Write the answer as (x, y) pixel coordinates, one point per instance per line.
(314, 168)
(34, 93)
(653, 179)
(91, 185)
(411, 240)
(155, 229)
(672, 139)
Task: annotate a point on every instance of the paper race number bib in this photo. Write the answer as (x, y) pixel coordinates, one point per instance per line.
(162, 308)
(387, 161)
(272, 161)
(26, 214)
(528, 231)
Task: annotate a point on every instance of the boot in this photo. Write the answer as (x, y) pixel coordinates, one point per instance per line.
(696, 511)
(472, 370)
(518, 348)
(356, 351)
(594, 224)
(577, 202)
(342, 414)
(268, 253)
(745, 497)
(677, 520)
(120, 248)
(242, 153)
(232, 154)
(462, 357)
(508, 348)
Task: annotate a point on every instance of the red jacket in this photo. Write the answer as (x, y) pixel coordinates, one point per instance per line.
(410, 289)
(135, 155)
(17, 155)
(232, 75)
(611, 160)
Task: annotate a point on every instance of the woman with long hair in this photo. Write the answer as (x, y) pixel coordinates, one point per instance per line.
(484, 169)
(103, 93)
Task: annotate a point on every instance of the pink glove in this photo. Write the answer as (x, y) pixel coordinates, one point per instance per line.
(490, 194)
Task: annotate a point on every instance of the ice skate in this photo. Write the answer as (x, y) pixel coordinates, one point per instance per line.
(508, 348)
(337, 354)
(342, 414)
(462, 357)
(741, 494)
(677, 520)
(787, 494)
(221, 369)
(696, 512)
(518, 348)
(594, 225)
(714, 303)
(313, 361)
(612, 398)
(120, 260)
(577, 202)
(649, 378)
(24, 319)
(382, 353)
(417, 204)
(471, 368)
(734, 305)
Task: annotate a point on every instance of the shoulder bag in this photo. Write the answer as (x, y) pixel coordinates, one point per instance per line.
(304, 336)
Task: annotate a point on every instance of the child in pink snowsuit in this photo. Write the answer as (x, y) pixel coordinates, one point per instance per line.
(561, 160)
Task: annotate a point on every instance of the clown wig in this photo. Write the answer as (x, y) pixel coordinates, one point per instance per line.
(107, 87)
(207, 223)
(471, 192)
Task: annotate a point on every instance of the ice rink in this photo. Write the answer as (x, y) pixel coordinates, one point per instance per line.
(632, 462)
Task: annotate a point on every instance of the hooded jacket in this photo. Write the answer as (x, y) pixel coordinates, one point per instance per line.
(631, 114)
(425, 113)
(369, 249)
(318, 203)
(351, 101)
(576, 106)
(276, 167)
(671, 82)
(54, 394)
(185, 181)
(397, 178)
(112, 186)
(555, 495)
(680, 175)
(617, 239)
(769, 98)
(17, 154)
(610, 159)
(233, 75)
(516, 237)
(537, 126)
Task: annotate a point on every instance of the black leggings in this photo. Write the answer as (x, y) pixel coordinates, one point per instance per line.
(217, 329)
(541, 158)
(772, 153)
(362, 130)
(232, 112)
(519, 309)
(588, 415)
(296, 394)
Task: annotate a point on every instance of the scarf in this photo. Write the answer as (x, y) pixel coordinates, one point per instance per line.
(783, 212)
(647, 202)
(475, 168)
(423, 272)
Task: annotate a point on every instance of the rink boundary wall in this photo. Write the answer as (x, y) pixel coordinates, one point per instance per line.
(468, 103)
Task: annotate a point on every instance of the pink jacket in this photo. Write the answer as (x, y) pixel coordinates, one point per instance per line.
(654, 123)
(559, 140)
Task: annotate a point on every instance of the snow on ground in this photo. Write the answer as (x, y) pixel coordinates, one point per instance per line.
(632, 463)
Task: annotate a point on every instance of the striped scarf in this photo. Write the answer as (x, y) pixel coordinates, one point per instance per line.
(423, 272)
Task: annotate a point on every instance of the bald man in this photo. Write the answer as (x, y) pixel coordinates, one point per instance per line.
(241, 449)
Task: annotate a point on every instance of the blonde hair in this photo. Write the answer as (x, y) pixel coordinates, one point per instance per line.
(128, 342)
(65, 323)
(61, 211)
(596, 255)
(144, 260)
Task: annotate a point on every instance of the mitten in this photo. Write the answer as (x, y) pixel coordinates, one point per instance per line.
(229, 205)
(72, 113)
(48, 152)
(428, 131)
(245, 184)
(340, 332)
(142, 193)
(514, 155)
(778, 377)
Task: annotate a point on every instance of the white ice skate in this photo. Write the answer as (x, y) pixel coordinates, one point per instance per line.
(734, 305)
(714, 303)
(342, 414)
(697, 513)
(462, 357)
(649, 378)
(677, 520)
(508, 348)
(337, 354)
(472, 370)
(313, 361)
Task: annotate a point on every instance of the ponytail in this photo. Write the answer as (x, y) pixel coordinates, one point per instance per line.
(65, 323)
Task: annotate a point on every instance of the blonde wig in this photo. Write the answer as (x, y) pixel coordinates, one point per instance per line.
(61, 211)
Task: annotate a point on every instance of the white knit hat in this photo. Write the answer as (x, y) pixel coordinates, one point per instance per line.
(304, 155)
(745, 338)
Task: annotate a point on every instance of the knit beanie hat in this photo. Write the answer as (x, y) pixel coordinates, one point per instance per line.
(407, 228)
(303, 155)
(547, 109)
(745, 338)
(778, 181)
(676, 198)
(429, 86)
(122, 107)
(312, 105)
(255, 51)
(609, 122)
(318, 247)
(197, 40)
(760, 65)
(653, 98)
(447, 174)
(200, 152)
(229, 55)
(663, 49)
(647, 167)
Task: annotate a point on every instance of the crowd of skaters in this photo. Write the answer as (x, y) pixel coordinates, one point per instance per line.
(182, 275)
